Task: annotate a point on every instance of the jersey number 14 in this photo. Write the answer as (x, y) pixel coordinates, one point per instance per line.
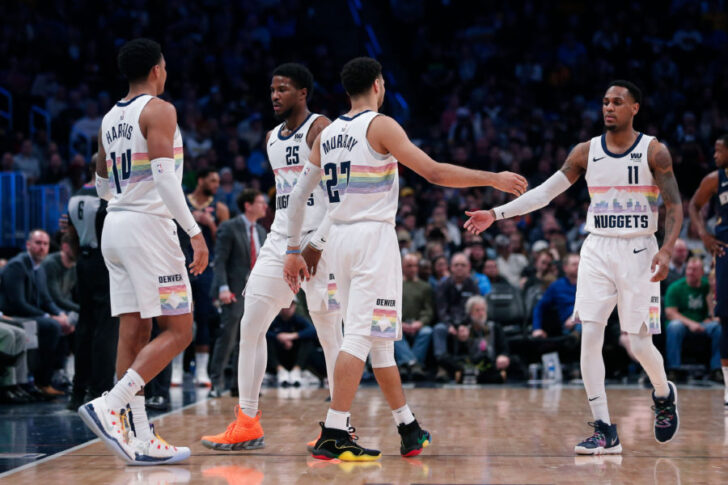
(125, 160)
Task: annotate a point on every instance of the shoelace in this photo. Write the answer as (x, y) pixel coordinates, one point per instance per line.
(351, 431)
(664, 413)
(597, 436)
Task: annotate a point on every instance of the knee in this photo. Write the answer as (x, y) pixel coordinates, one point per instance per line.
(440, 328)
(425, 331)
(676, 327)
(382, 354)
(357, 345)
(713, 329)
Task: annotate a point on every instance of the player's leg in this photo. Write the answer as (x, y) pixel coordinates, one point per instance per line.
(412, 438)
(724, 355)
(596, 296)
(264, 297)
(330, 336)
(721, 309)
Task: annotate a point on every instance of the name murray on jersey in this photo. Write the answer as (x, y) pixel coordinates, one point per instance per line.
(121, 130)
(339, 141)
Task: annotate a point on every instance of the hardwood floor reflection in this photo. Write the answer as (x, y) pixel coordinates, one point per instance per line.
(483, 435)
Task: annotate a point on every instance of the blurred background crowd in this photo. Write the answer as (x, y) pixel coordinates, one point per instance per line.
(489, 85)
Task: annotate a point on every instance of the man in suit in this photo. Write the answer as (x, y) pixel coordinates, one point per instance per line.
(25, 294)
(238, 242)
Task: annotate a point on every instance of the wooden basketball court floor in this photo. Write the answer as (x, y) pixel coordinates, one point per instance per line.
(500, 435)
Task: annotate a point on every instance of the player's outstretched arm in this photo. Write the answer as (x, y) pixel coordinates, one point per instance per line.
(536, 198)
(387, 136)
(707, 189)
(159, 121)
(660, 162)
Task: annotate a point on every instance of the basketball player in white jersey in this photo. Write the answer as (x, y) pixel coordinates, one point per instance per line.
(621, 264)
(356, 159)
(139, 171)
(266, 292)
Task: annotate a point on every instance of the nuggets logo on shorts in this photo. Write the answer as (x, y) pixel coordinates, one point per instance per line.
(384, 323)
(174, 300)
(654, 320)
(331, 291)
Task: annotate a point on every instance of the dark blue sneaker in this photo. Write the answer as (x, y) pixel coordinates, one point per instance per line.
(603, 441)
(667, 420)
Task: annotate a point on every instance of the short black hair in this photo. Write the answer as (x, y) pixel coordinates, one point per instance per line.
(634, 91)
(299, 74)
(204, 172)
(247, 196)
(359, 74)
(137, 57)
(724, 139)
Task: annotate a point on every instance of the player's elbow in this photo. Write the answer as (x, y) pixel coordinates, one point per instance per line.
(433, 175)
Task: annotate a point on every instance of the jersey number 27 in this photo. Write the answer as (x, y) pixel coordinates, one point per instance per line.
(332, 183)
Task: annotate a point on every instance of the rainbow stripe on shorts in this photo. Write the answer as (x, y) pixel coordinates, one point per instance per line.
(174, 300)
(384, 323)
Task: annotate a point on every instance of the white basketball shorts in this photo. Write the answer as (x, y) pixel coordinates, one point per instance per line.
(266, 280)
(615, 270)
(368, 271)
(147, 272)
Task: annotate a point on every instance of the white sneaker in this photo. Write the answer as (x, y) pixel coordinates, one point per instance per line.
(295, 377)
(283, 377)
(111, 426)
(201, 377)
(155, 451)
(177, 371)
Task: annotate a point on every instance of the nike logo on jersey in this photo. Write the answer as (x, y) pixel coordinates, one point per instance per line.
(636, 251)
(271, 143)
(595, 159)
(724, 184)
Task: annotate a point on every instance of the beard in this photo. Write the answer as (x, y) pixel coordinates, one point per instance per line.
(207, 192)
(283, 115)
(610, 127)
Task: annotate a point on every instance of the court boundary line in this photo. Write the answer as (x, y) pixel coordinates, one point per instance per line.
(88, 443)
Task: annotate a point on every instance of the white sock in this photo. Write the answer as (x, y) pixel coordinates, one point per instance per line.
(250, 412)
(201, 360)
(125, 390)
(253, 354)
(725, 375)
(403, 415)
(337, 420)
(592, 369)
(140, 420)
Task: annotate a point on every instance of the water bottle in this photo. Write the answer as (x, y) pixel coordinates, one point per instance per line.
(551, 371)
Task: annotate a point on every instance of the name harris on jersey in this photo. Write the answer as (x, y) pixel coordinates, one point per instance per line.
(121, 130)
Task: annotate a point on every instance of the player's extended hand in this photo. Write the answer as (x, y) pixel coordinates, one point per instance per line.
(510, 182)
(201, 254)
(661, 261)
(312, 256)
(713, 246)
(227, 297)
(479, 220)
(295, 271)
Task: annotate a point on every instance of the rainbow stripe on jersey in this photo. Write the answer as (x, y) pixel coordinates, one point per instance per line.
(623, 199)
(141, 167)
(366, 179)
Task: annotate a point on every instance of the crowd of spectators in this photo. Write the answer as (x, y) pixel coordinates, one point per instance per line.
(477, 93)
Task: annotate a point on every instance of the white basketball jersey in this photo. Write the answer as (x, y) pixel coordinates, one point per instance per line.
(361, 184)
(127, 159)
(288, 155)
(622, 190)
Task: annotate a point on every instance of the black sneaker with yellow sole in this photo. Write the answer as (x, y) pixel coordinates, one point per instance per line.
(341, 444)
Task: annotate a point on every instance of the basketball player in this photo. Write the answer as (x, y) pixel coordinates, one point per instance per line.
(716, 183)
(356, 158)
(620, 264)
(139, 171)
(266, 293)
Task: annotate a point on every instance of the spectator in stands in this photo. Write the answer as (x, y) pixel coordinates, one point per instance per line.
(677, 265)
(686, 307)
(291, 340)
(480, 347)
(60, 270)
(417, 318)
(8, 162)
(505, 304)
(510, 264)
(475, 251)
(424, 270)
(450, 297)
(559, 299)
(229, 190)
(88, 125)
(27, 162)
(235, 253)
(25, 294)
(440, 271)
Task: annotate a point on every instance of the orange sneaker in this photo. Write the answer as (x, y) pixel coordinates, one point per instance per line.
(311, 444)
(245, 433)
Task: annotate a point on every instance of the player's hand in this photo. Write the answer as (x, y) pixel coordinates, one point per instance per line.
(502, 362)
(479, 220)
(312, 256)
(295, 271)
(227, 297)
(661, 262)
(539, 333)
(510, 182)
(201, 254)
(713, 246)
